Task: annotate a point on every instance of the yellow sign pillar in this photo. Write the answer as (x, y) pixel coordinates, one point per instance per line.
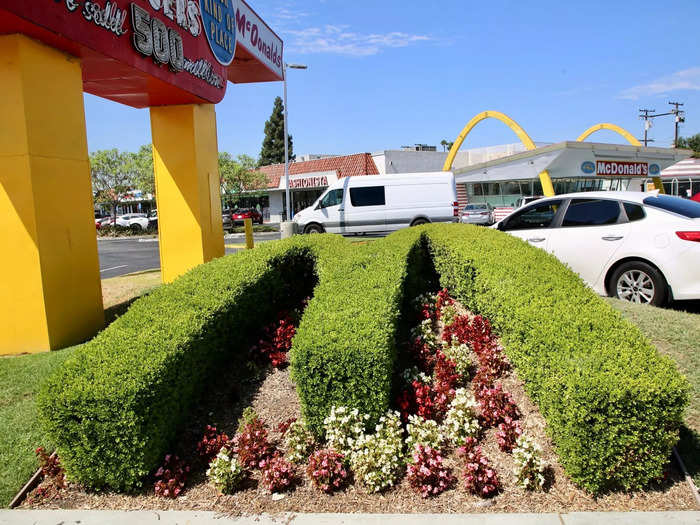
(185, 157)
(49, 271)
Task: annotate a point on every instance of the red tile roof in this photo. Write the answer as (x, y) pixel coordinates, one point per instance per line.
(346, 166)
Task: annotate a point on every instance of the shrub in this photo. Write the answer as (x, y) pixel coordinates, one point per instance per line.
(613, 405)
(479, 477)
(344, 352)
(424, 432)
(299, 442)
(378, 458)
(327, 470)
(343, 428)
(225, 472)
(529, 465)
(252, 446)
(427, 473)
(118, 403)
(507, 434)
(461, 422)
(171, 477)
(278, 474)
(211, 443)
(496, 406)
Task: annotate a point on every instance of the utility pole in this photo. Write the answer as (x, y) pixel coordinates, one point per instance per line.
(646, 117)
(679, 118)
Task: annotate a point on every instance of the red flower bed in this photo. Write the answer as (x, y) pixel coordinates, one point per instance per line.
(211, 443)
(427, 473)
(252, 445)
(171, 477)
(327, 470)
(496, 406)
(479, 477)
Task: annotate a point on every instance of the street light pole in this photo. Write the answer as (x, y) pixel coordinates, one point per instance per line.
(286, 140)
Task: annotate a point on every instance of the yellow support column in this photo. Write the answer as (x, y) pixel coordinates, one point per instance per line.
(185, 156)
(49, 271)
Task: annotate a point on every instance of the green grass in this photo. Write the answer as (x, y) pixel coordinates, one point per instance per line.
(19, 381)
(676, 334)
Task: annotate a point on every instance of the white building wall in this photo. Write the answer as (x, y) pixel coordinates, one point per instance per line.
(276, 206)
(398, 161)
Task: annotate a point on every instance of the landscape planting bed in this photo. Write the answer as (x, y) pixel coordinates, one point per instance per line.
(273, 396)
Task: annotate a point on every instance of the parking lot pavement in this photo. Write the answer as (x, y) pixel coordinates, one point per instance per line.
(129, 255)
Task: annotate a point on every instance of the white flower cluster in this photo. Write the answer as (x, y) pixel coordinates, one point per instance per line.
(448, 314)
(378, 459)
(343, 428)
(529, 465)
(414, 374)
(460, 354)
(225, 473)
(299, 442)
(424, 298)
(426, 332)
(461, 421)
(424, 432)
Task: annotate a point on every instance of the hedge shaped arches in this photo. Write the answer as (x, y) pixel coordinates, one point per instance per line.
(612, 404)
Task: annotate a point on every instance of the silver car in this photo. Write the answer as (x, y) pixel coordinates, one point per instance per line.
(478, 214)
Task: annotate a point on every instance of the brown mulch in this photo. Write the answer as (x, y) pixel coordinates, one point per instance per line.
(274, 399)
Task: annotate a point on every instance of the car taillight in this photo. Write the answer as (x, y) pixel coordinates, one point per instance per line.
(455, 207)
(689, 236)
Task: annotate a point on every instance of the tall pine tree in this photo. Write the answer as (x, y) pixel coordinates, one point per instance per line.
(272, 151)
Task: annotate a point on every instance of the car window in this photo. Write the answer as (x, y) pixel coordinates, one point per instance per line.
(332, 198)
(634, 212)
(535, 216)
(591, 212)
(684, 207)
(368, 196)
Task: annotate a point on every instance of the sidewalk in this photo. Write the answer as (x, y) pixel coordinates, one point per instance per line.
(90, 517)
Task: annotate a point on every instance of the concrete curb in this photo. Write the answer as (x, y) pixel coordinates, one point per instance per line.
(107, 517)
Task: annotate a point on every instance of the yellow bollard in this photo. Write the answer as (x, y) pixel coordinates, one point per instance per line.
(249, 244)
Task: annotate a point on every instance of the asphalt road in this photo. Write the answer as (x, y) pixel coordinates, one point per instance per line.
(127, 255)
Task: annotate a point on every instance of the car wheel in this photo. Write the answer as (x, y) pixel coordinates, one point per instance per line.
(136, 228)
(313, 228)
(418, 222)
(639, 282)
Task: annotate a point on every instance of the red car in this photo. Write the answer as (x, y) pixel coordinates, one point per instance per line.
(246, 213)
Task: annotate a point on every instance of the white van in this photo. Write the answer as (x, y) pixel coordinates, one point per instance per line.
(374, 203)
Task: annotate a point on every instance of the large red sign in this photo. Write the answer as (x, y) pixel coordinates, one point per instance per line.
(152, 52)
(616, 168)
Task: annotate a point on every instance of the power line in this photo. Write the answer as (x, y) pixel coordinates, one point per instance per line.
(648, 114)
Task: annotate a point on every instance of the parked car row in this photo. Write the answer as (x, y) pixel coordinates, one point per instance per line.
(136, 221)
(236, 216)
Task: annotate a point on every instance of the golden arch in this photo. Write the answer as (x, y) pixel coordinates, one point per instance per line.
(627, 135)
(611, 127)
(547, 187)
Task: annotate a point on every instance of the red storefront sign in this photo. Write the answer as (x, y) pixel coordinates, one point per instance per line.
(152, 52)
(615, 168)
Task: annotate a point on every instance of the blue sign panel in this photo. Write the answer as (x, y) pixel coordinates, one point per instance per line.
(588, 167)
(654, 169)
(219, 21)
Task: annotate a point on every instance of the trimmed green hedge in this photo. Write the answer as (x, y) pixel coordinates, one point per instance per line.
(344, 352)
(613, 404)
(114, 408)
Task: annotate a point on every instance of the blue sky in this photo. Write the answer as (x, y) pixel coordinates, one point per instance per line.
(385, 74)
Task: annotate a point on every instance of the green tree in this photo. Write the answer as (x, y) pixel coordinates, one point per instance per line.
(112, 176)
(692, 142)
(446, 145)
(272, 151)
(238, 175)
(142, 169)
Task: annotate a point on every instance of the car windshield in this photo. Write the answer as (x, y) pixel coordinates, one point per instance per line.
(677, 205)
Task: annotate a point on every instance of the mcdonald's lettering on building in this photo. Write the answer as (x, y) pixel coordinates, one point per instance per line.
(614, 167)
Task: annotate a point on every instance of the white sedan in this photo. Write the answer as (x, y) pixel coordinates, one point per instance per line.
(136, 221)
(640, 247)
